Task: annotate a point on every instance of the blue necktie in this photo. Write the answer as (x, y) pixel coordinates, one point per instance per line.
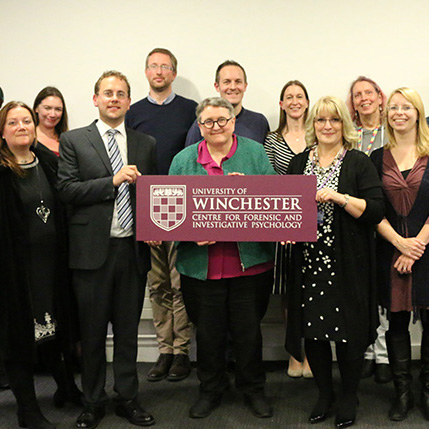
(123, 199)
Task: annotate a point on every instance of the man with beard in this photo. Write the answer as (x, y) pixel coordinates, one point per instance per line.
(167, 117)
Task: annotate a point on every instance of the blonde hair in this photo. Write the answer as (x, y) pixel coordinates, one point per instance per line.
(335, 107)
(422, 137)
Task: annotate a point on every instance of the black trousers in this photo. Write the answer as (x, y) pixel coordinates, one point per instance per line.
(110, 294)
(235, 306)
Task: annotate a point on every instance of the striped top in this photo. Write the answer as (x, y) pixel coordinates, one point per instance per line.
(278, 151)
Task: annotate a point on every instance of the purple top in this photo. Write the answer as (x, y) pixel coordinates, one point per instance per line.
(224, 257)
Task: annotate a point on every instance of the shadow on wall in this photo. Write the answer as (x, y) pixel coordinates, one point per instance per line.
(186, 88)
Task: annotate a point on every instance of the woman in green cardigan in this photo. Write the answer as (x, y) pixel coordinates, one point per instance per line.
(225, 285)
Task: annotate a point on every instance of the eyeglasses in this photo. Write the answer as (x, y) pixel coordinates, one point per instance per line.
(120, 95)
(163, 67)
(322, 121)
(395, 109)
(209, 123)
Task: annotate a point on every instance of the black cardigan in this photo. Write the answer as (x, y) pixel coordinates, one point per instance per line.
(354, 253)
(16, 319)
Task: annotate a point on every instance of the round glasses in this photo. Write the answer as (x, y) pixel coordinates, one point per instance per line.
(209, 123)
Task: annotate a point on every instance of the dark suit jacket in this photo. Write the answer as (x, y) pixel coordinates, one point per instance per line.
(85, 183)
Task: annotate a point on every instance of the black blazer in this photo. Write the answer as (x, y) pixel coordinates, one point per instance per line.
(85, 183)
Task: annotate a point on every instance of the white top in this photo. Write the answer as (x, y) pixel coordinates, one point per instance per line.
(116, 231)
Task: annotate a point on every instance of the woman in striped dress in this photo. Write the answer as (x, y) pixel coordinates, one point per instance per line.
(281, 146)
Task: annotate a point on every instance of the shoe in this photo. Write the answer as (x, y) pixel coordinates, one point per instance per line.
(180, 368)
(368, 368)
(203, 407)
(319, 417)
(344, 422)
(134, 413)
(90, 417)
(73, 396)
(382, 373)
(294, 372)
(347, 408)
(322, 410)
(161, 367)
(307, 373)
(259, 406)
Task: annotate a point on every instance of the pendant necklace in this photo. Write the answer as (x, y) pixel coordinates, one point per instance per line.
(42, 211)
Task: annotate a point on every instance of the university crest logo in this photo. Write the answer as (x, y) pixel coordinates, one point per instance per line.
(168, 205)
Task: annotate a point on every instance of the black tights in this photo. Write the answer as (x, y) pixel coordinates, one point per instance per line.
(319, 357)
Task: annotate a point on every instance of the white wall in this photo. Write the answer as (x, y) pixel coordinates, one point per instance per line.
(323, 43)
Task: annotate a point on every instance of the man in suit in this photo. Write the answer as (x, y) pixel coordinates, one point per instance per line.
(98, 168)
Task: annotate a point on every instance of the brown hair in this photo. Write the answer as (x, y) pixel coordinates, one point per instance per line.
(111, 73)
(229, 63)
(165, 52)
(7, 158)
(51, 91)
(283, 119)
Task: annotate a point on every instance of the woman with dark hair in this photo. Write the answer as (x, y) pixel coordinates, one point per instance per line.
(34, 295)
(366, 103)
(331, 294)
(403, 257)
(51, 117)
(281, 146)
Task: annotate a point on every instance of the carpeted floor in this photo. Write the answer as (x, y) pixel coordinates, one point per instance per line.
(169, 403)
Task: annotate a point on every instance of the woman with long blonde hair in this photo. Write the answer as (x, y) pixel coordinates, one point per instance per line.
(403, 265)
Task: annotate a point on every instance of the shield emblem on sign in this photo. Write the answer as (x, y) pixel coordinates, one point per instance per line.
(168, 205)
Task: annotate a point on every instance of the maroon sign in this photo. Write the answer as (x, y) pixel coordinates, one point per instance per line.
(226, 208)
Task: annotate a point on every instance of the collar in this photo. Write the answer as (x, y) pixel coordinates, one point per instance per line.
(103, 128)
(204, 157)
(168, 100)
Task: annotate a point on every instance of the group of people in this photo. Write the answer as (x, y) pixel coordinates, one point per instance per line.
(72, 263)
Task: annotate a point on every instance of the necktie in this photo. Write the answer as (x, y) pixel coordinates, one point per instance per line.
(123, 199)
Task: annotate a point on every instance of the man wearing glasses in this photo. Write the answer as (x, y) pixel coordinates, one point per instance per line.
(231, 84)
(98, 167)
(167, 117)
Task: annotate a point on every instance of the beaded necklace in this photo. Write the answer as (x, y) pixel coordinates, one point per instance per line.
(371, 142)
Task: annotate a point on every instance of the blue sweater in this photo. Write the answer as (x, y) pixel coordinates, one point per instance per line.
(248, 124)
(168, 123)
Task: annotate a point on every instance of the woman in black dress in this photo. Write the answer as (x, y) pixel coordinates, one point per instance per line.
(332, 293)
(34, 296)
